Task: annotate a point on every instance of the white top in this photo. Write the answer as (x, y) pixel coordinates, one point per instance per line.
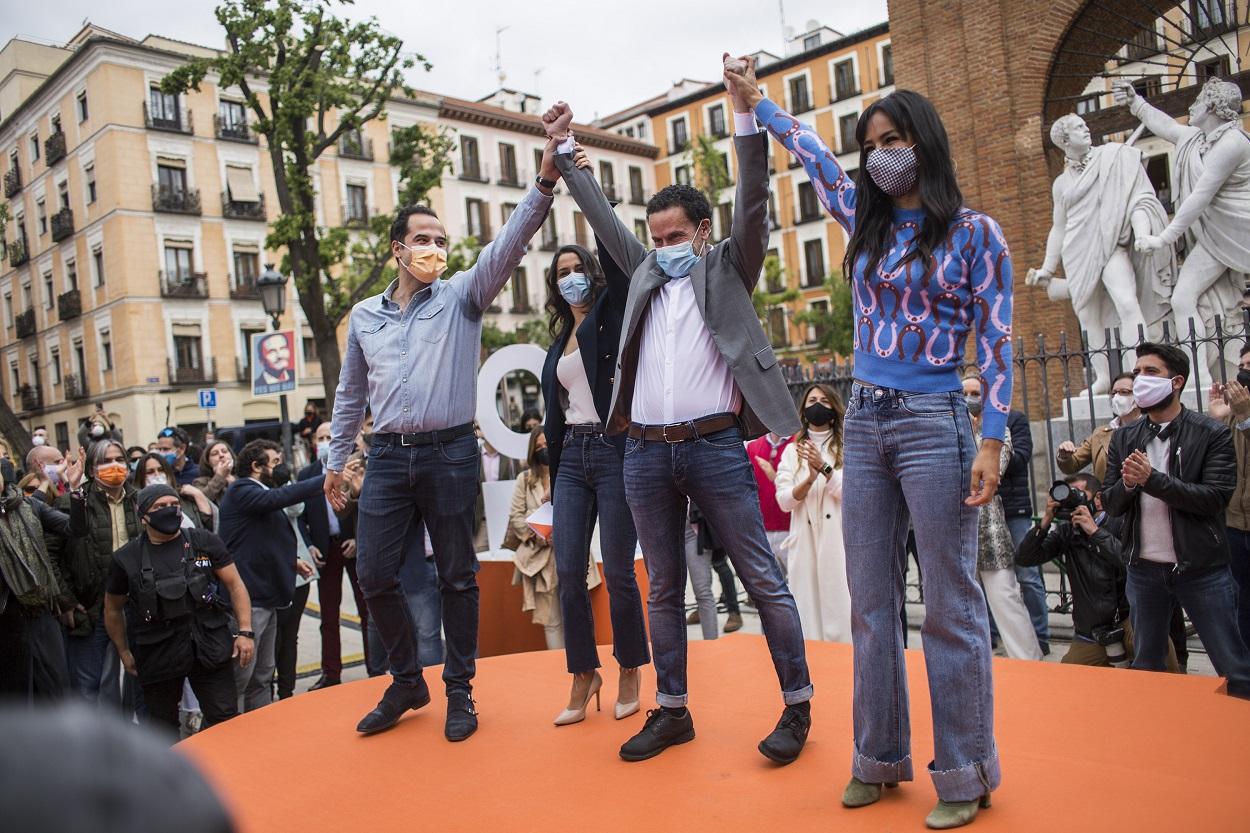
(572, 375)
(1156, 523)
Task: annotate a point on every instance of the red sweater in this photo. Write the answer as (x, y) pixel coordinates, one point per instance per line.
(775, 520)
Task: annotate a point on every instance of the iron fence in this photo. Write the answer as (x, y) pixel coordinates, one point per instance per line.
(1055, 387)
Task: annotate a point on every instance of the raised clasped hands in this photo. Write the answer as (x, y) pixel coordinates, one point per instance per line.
(740, 82)
(557, 120)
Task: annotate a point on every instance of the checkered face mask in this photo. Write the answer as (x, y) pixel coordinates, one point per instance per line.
(894, 169)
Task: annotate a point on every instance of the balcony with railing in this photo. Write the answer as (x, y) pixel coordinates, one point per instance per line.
(54, 148)
(179, 122)
(62, 224)
(205, 373)
(176, 200)
(31, 396)
(637, 196)
(233, 131)
(19, 253)
(609, 191)
(244, 289)
(69, 304)
(189, 285)
(75, 387)
(236, 210)
(12, 182)
(25, 323)
(356, 147)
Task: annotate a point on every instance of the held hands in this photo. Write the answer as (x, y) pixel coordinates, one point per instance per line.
(244, 647)
(557, 119)
(985, 474)
(741, 85)
(1136, 469)
(333, 490)
(580, 159)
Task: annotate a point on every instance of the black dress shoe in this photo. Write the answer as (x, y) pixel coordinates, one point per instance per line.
(397, 700)
(461, 716)
(785, 742)
(662, 730)
(324, 682)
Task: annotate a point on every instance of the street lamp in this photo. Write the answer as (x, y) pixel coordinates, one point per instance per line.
(272, 286)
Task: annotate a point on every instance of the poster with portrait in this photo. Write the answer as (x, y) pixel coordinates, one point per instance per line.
(273, 363)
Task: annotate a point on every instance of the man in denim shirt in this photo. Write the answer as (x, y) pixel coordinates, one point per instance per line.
(412, 357)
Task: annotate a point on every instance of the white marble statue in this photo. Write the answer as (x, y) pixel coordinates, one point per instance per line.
(1212, 192)
(1103, 201)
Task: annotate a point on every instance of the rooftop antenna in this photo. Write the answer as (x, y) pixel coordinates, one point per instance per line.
(538, 90)
(781, 13)
(499, 73)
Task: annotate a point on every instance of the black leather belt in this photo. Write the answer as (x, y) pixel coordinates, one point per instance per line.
(680, 432)
(592, 429)
(445, 435)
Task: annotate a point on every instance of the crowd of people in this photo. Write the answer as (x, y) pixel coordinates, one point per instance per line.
(669, 424)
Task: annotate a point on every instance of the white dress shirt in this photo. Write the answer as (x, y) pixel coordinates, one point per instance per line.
(681, 373)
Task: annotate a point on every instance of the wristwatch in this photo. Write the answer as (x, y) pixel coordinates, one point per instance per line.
(544, 182)
(827, 470)
(248, 634)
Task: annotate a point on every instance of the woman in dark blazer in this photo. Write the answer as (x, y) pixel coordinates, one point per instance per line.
(586, 307)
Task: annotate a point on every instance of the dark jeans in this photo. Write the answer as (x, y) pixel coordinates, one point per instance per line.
(436, 484)
(15, 658)
(715, 473)
(286, 648)
(728, 587)
(1209, 596)
(1239, 563)
(47, 648)
(330, 597)
(213, 687)
(94, 666)
(590, 482)
(419, 579)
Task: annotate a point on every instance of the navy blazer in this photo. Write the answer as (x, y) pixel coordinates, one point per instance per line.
(260, 538)
(598, 338)
(315, 520)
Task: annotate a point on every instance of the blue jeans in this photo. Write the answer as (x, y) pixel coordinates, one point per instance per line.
(93, 666)
(1209, 596)
(909, 455)
(1239, 563)
(436, 484)
(419, 579)
(590, 481)
(715, 473)
(1032, 585)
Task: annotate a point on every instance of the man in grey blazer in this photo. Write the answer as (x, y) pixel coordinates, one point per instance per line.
(696, 376)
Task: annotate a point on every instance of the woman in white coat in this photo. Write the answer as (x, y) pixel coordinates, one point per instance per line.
(809, 487)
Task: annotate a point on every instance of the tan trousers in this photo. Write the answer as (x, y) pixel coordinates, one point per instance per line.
(1091, 653)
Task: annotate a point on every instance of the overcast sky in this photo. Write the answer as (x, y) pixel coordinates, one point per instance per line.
(600, 58)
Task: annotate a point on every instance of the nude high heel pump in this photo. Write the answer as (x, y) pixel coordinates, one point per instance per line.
(570, 716)
(627, 696)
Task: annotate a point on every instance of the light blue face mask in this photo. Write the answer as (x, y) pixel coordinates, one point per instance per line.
(677, 260)
(574, 288)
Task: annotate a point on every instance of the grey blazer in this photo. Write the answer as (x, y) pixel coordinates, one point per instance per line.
(723, 283)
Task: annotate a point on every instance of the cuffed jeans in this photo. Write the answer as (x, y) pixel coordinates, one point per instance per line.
(1209, 596)
(436, 485)
(910, 455)
(590, 481)
(715, 473)
(1032, 584)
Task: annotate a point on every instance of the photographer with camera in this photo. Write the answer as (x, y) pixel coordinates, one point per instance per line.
(1075, 529)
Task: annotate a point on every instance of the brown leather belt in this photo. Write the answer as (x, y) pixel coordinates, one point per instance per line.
(680, 432)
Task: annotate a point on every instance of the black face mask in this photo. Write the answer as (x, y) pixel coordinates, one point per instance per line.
(167, 520)
(279, 476)
(818, 415)
(1243, 378)
(541, 457)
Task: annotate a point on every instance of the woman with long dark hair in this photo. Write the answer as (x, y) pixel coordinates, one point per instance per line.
(809, 487)
(586, 308)
(925, 272)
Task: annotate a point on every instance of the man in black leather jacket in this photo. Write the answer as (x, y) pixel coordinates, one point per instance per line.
(1170, 476)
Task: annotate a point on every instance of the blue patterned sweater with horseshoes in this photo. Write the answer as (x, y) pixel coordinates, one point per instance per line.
(912, 320)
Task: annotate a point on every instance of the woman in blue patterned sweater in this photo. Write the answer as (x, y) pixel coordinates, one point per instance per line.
(926, 272)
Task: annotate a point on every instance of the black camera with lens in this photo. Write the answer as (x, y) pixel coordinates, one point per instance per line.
(1111, 638)
(1069, 498)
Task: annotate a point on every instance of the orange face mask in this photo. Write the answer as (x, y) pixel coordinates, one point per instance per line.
(112, 474)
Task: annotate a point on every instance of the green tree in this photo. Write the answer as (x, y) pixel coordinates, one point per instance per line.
(10, 426)
(711, 168)
(324, 76)
(774, 293)
(836, 326)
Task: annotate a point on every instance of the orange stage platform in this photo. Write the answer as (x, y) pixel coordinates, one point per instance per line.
(1084, 749)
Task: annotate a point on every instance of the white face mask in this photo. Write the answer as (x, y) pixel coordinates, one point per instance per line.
(38, 439)
(1151, 390)
(1122, 403)
(157, 479)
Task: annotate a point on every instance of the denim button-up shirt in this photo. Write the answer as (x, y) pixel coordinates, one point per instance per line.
(416, 367)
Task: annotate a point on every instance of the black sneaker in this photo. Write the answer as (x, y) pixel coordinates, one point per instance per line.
(461, 716)
(662, 730)
(324, 682)
(397, 700)
(785, 742)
